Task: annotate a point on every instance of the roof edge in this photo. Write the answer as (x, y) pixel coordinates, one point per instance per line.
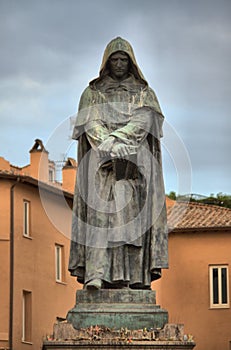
(36, 183)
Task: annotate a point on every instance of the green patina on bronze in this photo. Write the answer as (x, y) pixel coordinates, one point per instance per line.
(120, 309)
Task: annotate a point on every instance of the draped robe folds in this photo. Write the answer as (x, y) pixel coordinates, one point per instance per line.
(119, 230)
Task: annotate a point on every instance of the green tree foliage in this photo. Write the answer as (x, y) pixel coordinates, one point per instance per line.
(172, 195)
(221, 199)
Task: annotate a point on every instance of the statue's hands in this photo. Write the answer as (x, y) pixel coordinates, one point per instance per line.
(106, 146)
(120, 150)
(111, 147)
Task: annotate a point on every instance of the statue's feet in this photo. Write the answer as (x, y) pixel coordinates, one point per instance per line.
(94, 284)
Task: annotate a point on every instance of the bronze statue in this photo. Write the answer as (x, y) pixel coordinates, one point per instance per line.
(119, 230)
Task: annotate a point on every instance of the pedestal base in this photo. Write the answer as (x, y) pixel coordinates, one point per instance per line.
(158, 345)
(122, 308)
(171, 337)
(117, 319)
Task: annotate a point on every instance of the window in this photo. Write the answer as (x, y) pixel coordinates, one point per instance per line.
(51, 175)
(26, 218)
(59, 263)
(219, 286)
(26, 316)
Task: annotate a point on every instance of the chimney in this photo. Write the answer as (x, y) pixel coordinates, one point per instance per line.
(69, 175)
(4, 164)
(39, 161)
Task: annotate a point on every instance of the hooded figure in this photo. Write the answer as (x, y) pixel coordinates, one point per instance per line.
(119, 229)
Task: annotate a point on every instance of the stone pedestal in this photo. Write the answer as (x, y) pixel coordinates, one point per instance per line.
(132, 309)
(170, 337)
(117, 319)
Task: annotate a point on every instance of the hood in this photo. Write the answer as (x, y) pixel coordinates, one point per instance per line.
(119, 44)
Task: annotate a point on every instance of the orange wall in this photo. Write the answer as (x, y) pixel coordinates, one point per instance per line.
(69, 176)
(184, 289)
(5, 209)
(4, 261)
(39, 165)
(34, 265)
(4, 293)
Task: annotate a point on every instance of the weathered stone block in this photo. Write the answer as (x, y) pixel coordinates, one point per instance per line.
(133, 309)
(170, 337)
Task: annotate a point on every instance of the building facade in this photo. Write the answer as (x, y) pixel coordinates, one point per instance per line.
(196, 288)
(35, 221)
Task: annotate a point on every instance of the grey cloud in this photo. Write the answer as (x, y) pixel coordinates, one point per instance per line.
(51, 49)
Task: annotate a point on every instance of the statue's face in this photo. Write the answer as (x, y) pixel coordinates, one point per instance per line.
(119, 65)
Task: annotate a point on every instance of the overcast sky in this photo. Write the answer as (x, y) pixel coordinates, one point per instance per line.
(51, 49)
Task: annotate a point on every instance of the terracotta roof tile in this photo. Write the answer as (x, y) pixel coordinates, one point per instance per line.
(183, 215)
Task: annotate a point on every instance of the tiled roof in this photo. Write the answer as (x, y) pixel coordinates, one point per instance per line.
(183, 215)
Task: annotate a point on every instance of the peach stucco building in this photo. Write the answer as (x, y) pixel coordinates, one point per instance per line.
(196, 288)
(35, 219)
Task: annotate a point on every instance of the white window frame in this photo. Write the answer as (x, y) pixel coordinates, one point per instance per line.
(26, 294)
(26, 218)
(59, 263)
(219, 304)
